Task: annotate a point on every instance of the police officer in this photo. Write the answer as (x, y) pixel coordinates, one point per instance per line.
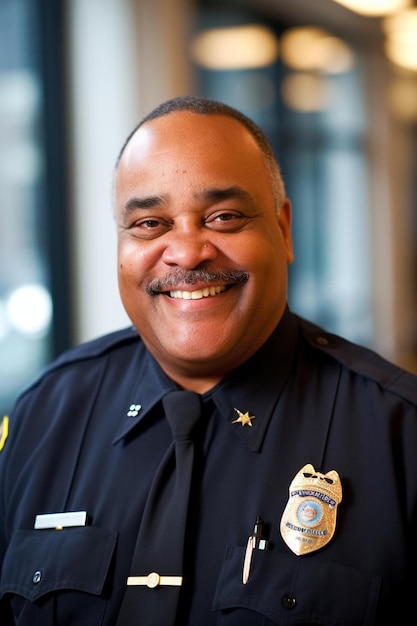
(302, 503)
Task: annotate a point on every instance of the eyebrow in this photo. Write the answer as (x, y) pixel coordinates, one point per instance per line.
(218, 194)
(143, 203)
(211, 194)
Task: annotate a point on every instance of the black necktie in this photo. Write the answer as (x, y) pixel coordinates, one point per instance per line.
(154, 586)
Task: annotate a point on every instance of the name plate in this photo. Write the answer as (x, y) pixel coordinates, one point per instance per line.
(61, 520)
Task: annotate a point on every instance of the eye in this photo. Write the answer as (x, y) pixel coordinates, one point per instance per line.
(148, 224)
(225, 217)
(226, 220)
(148, 228)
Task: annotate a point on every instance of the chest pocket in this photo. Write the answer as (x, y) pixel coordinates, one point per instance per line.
(288, 590)
(42, 562)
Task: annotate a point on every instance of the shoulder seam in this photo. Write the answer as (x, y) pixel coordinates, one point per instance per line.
(92, 349)
(362, 361)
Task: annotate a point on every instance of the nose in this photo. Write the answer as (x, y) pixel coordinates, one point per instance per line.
(188, 250)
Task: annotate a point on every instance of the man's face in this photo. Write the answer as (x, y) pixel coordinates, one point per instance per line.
(192, 193)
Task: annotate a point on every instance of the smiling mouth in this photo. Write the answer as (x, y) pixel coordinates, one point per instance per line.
(211, 278)
(198, 293)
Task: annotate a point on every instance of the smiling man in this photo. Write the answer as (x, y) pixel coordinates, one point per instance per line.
(290, 441)
(201, 234)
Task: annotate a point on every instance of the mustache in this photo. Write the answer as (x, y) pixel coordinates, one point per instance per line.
(191, 277)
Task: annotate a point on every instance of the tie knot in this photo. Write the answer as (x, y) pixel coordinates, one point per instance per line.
(182, 410)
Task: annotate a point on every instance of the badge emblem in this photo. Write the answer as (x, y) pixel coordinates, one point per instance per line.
(309, 519)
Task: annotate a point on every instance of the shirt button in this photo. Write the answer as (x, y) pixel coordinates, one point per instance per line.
(36, 578)
(289, 601)
(322, 341)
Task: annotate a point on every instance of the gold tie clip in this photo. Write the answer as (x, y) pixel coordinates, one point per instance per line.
(153, 580)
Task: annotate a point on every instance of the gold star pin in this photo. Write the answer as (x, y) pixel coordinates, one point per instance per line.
(244, 418)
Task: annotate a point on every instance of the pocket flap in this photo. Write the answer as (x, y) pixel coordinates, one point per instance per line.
(40, 561)
(296, 590)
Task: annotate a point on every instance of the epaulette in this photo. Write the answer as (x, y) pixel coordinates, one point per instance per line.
(88, 350)
(362, 361)
(96, 347)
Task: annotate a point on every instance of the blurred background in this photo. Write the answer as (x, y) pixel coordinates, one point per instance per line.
(332, 83)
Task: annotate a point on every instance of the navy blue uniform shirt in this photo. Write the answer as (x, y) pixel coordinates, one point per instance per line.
(90, 434)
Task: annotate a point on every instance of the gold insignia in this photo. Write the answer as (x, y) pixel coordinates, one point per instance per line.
(4, 431)
(244, 418)
(309, 519)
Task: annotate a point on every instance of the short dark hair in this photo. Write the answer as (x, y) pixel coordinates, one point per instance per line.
(206, 106)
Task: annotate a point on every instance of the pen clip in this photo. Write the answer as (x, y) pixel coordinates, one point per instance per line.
(256, 541)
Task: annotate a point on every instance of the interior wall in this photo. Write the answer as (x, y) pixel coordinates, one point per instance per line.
(123, 58)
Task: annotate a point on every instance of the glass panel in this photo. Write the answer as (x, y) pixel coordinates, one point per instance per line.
(25, 299)
(315, 119)
(326, 175)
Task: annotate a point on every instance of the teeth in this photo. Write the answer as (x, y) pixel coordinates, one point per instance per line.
(198, 293)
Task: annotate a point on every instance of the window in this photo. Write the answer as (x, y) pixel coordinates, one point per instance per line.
(33, 236)
(312, 109)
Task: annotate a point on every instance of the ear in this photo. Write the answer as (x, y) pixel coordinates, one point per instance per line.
(284, 221)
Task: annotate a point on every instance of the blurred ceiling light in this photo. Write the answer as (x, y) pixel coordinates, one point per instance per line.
(401, 42)
(306, 92)
(234, 48)
(401, 22)
(20, 95)
(334, 55)
(29, 309)
(375, 8)
(402, 52)
(308, 48)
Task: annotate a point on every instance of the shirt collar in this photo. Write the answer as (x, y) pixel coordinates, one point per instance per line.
(254, 387)
(151, 384)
